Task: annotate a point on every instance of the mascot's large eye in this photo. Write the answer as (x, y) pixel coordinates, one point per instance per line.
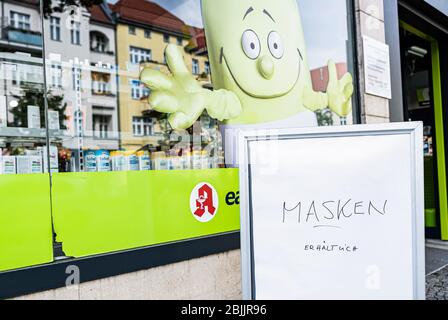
(251, 44)
(275, 45)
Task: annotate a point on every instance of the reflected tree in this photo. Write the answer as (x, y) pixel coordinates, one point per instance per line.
(34, 96)
(62, 5)
(324, 117)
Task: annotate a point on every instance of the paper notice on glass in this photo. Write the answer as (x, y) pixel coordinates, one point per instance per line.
(377, 68)
(33, 117)
(3, 112)
(53, 120)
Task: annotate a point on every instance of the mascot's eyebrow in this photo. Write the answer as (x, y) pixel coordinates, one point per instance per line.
(248, 11)
(221, 56)
(300, 53)
(268, 14)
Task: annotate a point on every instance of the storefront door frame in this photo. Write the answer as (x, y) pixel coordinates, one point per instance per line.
(439, 129)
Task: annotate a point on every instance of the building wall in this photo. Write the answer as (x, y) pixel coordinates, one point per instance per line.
(209, 278)
(369, 15)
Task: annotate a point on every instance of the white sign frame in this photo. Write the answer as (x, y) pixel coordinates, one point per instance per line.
(413, 129)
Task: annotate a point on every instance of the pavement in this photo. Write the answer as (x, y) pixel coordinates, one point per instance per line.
(436, 270)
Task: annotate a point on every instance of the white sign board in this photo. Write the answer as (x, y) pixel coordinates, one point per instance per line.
(33, 117)
(53, 120)
(377, 68)
(333, 213)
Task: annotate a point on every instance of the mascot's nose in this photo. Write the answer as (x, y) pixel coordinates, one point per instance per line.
(266, 67)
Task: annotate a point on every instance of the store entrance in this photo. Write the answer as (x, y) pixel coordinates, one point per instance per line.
(422, 99)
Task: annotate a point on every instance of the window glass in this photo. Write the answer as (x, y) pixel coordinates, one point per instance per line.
(75, 32)
(102, 89)
(23, 146)
(195, 66)
(20, 20)
(55, 29)
(327, 37)
(139, 55)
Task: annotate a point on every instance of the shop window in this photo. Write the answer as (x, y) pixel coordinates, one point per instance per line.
(83, 99)
(139, 55)
(75, 33)
(55, 29)
(20, 20)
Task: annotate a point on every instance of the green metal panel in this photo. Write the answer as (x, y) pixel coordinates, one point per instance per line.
(26, 237)
(440, 139)
(440, 136)
(98, 213)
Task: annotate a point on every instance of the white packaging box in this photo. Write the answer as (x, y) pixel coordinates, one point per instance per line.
(23, 165)
(3, 112)
(54, 161)
(33, 117)
(36, 164)
(8, 165)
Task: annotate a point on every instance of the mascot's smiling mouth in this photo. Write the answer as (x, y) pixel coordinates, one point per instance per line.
(223, 58)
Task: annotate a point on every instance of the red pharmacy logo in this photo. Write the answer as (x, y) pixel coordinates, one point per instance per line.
(204, 202)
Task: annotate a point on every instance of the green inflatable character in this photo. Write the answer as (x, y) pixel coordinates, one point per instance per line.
(260, 73)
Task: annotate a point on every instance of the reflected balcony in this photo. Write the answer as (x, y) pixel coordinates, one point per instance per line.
(26, 37)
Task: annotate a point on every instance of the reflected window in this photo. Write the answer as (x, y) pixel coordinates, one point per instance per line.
(75, 33)
(55, 29)
(147, 34)
(20, 20)
(102, 126)
(138, 90)
(101, 83)
(99, 42)
(166, 38)
(142, 126)
(56, 76)
(139, 55)
(132, 30)
(195, 66)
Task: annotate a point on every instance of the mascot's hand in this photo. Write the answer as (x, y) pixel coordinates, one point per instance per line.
(182, 96)
(339, 92)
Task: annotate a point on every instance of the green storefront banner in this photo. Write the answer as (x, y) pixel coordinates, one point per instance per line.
(96, 213)
(26, 237)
